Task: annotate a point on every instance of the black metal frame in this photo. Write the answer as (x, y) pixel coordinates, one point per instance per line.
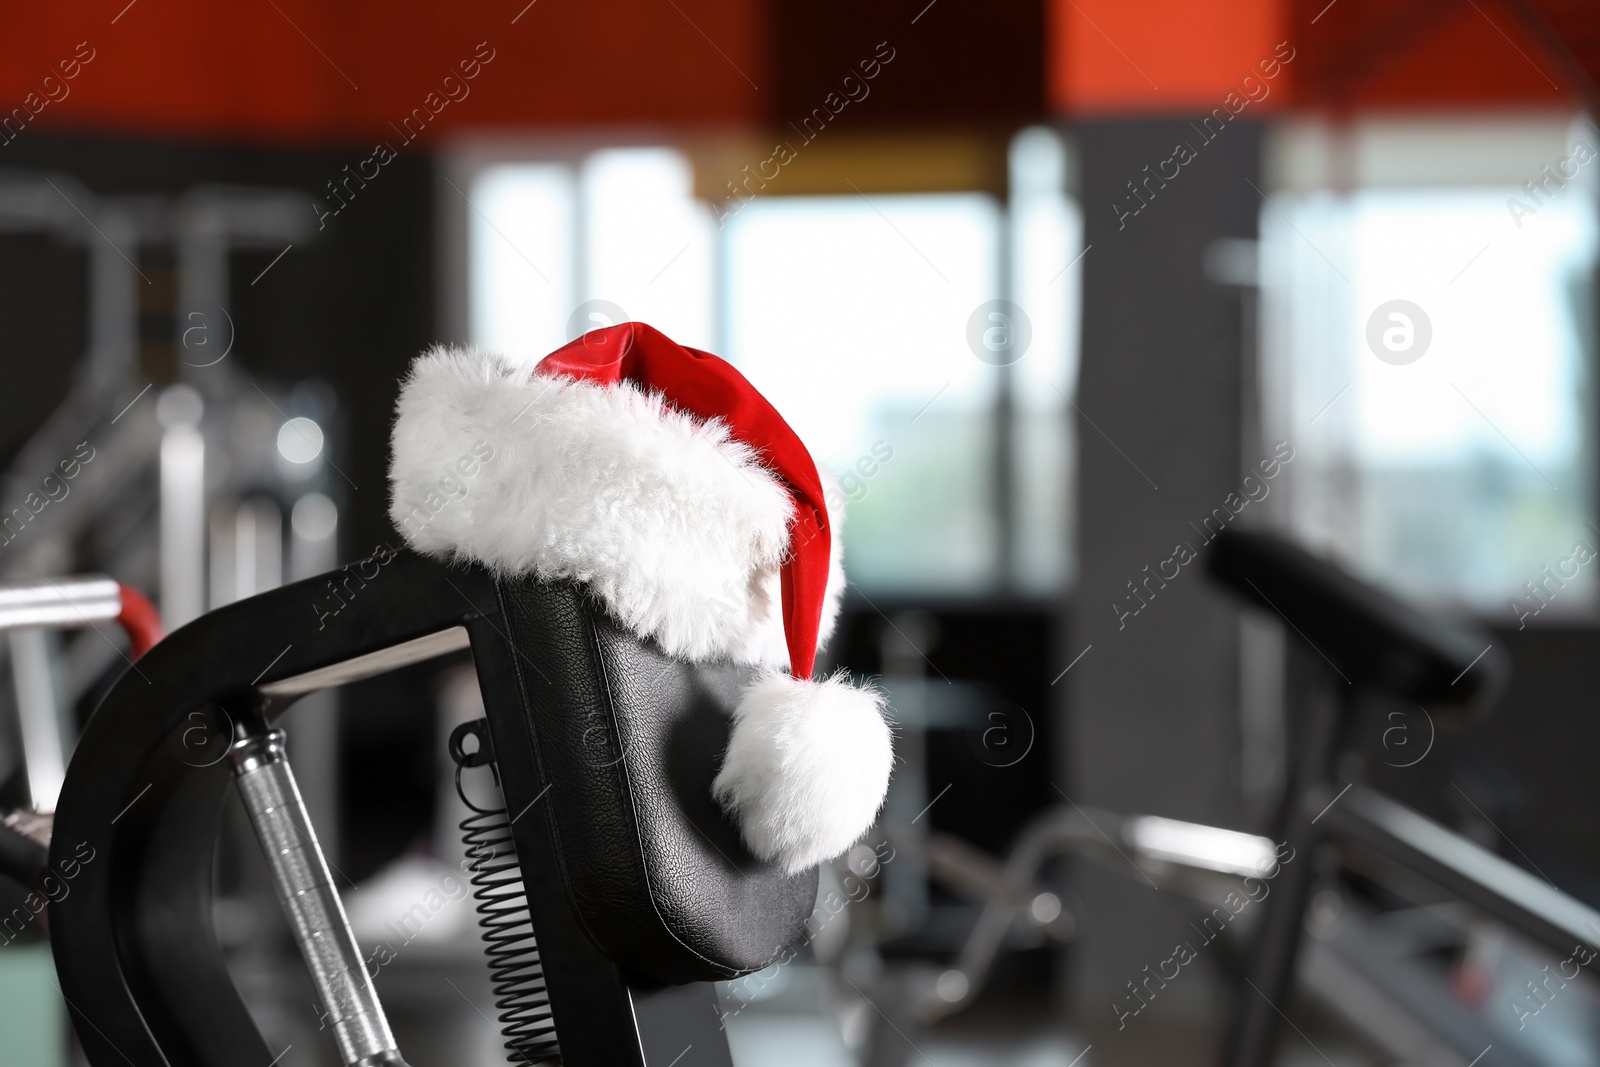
(140, 969)
(1272, 962)
(1364, 645)
(1316, 812)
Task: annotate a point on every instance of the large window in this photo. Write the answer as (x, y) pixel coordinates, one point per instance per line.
(1428, 350)
(557, 248)
(924, 345)
(854, 313)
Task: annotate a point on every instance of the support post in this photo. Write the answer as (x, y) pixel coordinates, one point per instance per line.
(306, 891)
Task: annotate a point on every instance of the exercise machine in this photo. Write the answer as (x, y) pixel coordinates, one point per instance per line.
(1365, 653)
(612, 890)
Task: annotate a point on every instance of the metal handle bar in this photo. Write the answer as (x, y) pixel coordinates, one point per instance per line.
(1203, 861)
(81, 601)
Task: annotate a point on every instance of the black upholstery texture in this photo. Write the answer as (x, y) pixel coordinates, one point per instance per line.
(628, 741)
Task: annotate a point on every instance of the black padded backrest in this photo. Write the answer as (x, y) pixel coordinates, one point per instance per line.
(1371, 637)
(628, 741)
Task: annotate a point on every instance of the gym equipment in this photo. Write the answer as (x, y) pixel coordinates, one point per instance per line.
(1372, 646)
(1367, 648)
(182, 489)
(60, 205)
(27, 609)
(639, 890)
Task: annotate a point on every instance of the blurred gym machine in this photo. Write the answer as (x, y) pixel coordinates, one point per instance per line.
(1379, 914)
(164, 464)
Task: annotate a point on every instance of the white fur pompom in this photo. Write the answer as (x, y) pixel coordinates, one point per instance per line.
(806, 769)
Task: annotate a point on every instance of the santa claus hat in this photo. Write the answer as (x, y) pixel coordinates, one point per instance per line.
(661, 479)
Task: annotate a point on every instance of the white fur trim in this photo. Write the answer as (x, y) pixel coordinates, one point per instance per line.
(806, 769)
(672, 523)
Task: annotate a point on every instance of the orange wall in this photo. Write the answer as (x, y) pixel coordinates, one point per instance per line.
(1156, 56)
(1110, 57)
(267, 67)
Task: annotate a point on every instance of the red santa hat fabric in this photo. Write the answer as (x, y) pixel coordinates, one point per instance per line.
(660, 477)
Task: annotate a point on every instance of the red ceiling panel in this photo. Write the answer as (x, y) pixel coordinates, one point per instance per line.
(1430, 54)
(297, 68)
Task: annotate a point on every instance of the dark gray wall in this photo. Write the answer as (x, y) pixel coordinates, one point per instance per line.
(1154, 720)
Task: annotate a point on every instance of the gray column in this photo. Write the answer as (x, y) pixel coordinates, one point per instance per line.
(1153, 720)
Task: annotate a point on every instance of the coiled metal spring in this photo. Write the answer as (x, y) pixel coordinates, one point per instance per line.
(515, 970)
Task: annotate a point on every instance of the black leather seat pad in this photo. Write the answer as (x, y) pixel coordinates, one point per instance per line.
(628, 740)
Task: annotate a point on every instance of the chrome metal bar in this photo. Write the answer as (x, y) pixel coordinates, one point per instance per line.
(373, 663)
(183, 523)
(1203, 861)
(38, 717)
(1390, 991)
(1522, 901)
(1205, 848)
(59, 603)
(313, 720)
(316, 914)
